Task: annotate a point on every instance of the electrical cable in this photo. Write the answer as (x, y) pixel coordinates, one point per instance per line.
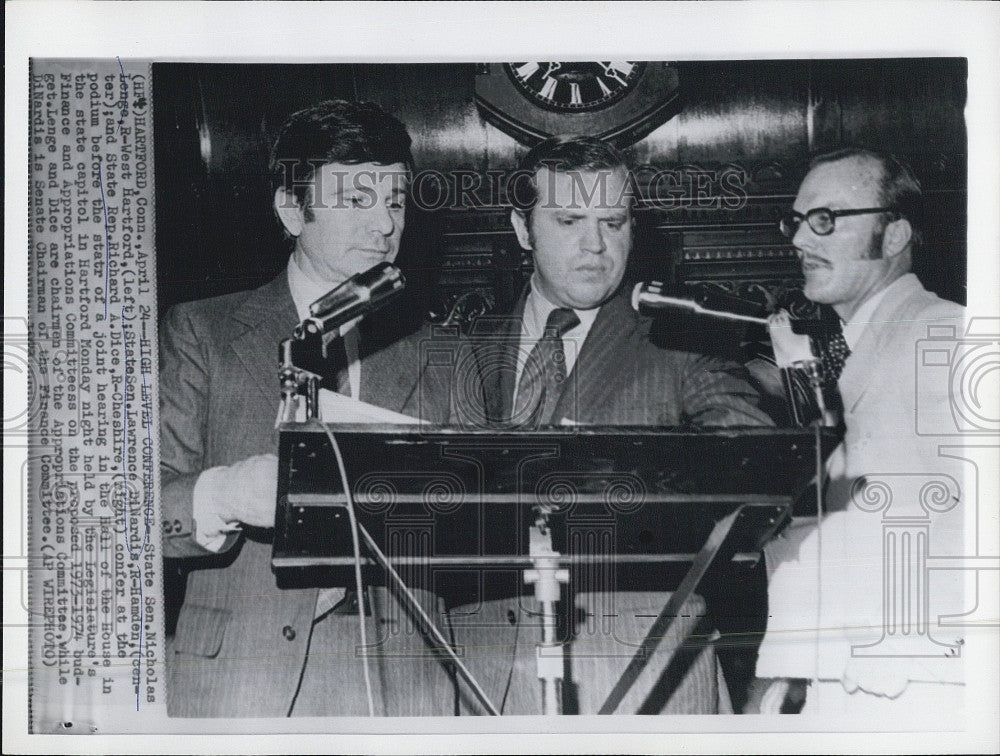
(819, 542)
(432, 629)
(356, 547)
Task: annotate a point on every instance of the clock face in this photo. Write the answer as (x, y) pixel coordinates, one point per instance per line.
(575, 87)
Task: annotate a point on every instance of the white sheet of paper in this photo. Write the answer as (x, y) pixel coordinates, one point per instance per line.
(337, 408)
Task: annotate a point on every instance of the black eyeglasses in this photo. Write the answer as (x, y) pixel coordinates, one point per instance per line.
(822, 220)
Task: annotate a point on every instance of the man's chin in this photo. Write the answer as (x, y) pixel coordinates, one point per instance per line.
(363, 262)
(815, 291)
(588, 299)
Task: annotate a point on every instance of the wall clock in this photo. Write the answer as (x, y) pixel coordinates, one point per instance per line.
(619, 101)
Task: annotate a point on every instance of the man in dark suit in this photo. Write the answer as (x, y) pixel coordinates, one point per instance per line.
(573, 350)
(573, 212)
(242, 646)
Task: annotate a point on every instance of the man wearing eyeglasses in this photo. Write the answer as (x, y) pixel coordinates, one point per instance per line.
(853, 608)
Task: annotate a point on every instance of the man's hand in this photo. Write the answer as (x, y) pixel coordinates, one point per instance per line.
(789, 347)
(245, 492)
(780, 695)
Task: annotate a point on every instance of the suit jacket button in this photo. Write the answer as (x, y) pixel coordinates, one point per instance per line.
(289, 632)
(511, 617)
(177, 526)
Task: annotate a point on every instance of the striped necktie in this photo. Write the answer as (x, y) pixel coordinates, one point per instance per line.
(544, 372)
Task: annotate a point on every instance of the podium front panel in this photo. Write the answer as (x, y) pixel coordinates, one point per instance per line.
(461, 502)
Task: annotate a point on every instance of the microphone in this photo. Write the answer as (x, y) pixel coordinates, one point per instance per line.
(650, 295)
(303, 359)
(797, 354)
(360, 294)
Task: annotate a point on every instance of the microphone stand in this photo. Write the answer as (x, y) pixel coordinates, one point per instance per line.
(303, 369)
(812, 369)
(546, 575)
(302, 358)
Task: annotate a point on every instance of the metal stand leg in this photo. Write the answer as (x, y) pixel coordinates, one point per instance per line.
(546, 577)
(714, 548)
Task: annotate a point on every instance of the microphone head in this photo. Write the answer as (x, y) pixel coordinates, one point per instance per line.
(647, 293)
(635, 295)
(382, 280)
(376, 282)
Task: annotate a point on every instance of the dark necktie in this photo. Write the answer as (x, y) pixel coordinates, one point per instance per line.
(544, 372)
(832, 350)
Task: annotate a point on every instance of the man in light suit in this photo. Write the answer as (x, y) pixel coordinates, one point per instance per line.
(573, 350)
(243, 647)
(855, 226)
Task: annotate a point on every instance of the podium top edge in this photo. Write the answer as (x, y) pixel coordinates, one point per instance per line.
(554, 431)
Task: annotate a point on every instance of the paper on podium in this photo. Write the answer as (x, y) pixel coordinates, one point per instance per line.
(337, 408)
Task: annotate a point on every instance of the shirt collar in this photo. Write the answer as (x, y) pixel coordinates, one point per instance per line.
(536, 313)
(306, 290)
(855, 327)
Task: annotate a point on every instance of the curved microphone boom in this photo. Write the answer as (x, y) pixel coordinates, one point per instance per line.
(650, 296)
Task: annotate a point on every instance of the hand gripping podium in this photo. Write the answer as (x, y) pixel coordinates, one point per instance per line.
(446, 505)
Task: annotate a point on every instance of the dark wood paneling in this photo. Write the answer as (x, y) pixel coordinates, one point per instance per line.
(733, 111)
(435, 103)
(912, 108)
(215, 124)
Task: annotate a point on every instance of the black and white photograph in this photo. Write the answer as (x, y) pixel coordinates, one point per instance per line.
(377, 393)
(589, 235)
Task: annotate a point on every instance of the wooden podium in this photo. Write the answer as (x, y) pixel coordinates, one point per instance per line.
(447, 505)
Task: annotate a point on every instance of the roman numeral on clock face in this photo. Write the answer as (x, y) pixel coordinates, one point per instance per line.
(618, 71)
(549, 88)
(527, 70)
(575, 87)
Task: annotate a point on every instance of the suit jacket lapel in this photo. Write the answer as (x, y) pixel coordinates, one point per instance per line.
(859, 370)
(390, 375)
(269, 316)
(495, 343)
(598, 370)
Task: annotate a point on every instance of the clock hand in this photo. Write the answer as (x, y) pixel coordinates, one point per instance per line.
(612, 71)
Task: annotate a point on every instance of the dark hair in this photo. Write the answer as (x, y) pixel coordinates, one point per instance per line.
(899, 187)
(335, 131)
(570, 152)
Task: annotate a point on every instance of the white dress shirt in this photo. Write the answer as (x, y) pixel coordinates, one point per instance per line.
(855, 327)
(536, 313)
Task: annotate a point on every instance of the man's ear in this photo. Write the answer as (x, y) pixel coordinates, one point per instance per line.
(289, 211)
(896, 237)
(520, 223)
